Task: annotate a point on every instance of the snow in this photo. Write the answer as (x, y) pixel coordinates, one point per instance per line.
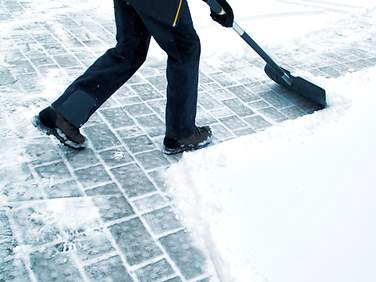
(293, 203)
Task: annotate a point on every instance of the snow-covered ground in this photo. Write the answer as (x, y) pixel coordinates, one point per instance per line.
(295, 202)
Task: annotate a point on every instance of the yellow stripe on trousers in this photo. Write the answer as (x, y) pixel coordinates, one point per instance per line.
(177, 13)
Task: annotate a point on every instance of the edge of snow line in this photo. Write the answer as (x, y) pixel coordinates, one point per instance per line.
(186, 178)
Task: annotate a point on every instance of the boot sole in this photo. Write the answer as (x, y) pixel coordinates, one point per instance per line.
(57, 133)
(186, 148)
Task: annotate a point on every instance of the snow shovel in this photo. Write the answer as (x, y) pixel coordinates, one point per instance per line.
(279, 75)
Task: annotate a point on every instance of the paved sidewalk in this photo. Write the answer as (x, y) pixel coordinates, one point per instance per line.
(102, 214)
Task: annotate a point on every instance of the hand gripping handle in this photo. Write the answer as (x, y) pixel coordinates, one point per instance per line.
(216, 7)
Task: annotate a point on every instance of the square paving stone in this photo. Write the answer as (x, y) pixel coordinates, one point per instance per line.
(220, 132)
(275, 99)
(146, 91)
(152, 160)
(257, 122)
(21, 191)
(92, 176)
(81, 158)
(133, 180)
(159, 106)
(221, 94)
(116, 157)
(221, 113)
(113, 207)
(63, 190)
(243, 93)
(238, 107)
(134, 241)
(117, 117)
(138, 109)
(162, 220)
(208, 102)
(139, 144)
(188, 258)
(107, 189)
(155, 272)
(56, 172)
(293, 112)
(131, 131)
(41, 152)
(204, 118)
(257, 105)
(233, 122)
(158, 82)
(51, 266)
(101, 137)
(93, 245)
(13, 271)
(272, 114)
(33, 223)
(152, 125)
(109, 270)
(149, 203)
(158, 178)
(223, 79)
(244, 131)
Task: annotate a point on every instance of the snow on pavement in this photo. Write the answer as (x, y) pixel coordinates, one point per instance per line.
(293, 203)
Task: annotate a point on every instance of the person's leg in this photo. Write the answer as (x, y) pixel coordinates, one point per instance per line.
(88, 92)
(171, 26)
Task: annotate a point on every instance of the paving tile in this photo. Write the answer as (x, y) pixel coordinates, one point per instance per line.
(204, 118)
(113, 207)
(158, 82)
(55, 172)
(220, 132)
(63, 190)
(233, 122)
(107, 189)
(243, 93)
(92, 176)
(159, 106)
(158, 178)
(139, 144)
(221, 113)
(257, 122)
(208, 102)
(131, 131)
(258, 105)
(81, 158)
(188, 258)
(41, 152)
(162, 220)
(134, 241)
(275, 99)
(138, 109)
(244, 131)
(155, 272)
(146, 91)
(54, 266)
(13, 271)
(238, 107)
(293, 112)
(152, 160)
(117, 117)
(116, 157)
(149, 203)
(272, 114)
(93, 245)
(109, 270)
(152, 125)
(101, 137)
(133, 180)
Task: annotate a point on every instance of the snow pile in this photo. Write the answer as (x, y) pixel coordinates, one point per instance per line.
(294, 203)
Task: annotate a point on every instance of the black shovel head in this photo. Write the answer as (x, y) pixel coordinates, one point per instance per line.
(298, 85)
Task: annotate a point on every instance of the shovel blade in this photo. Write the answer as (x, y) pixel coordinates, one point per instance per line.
(298, 85)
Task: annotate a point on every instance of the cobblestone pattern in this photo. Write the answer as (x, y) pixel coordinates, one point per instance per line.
(136, 236)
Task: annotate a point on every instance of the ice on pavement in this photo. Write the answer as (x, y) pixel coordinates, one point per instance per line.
(294, 203)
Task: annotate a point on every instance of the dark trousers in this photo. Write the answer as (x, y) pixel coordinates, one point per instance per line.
(136, 22)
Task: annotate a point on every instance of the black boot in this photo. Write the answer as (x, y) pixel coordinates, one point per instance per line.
(52, 123)
(200, 139)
